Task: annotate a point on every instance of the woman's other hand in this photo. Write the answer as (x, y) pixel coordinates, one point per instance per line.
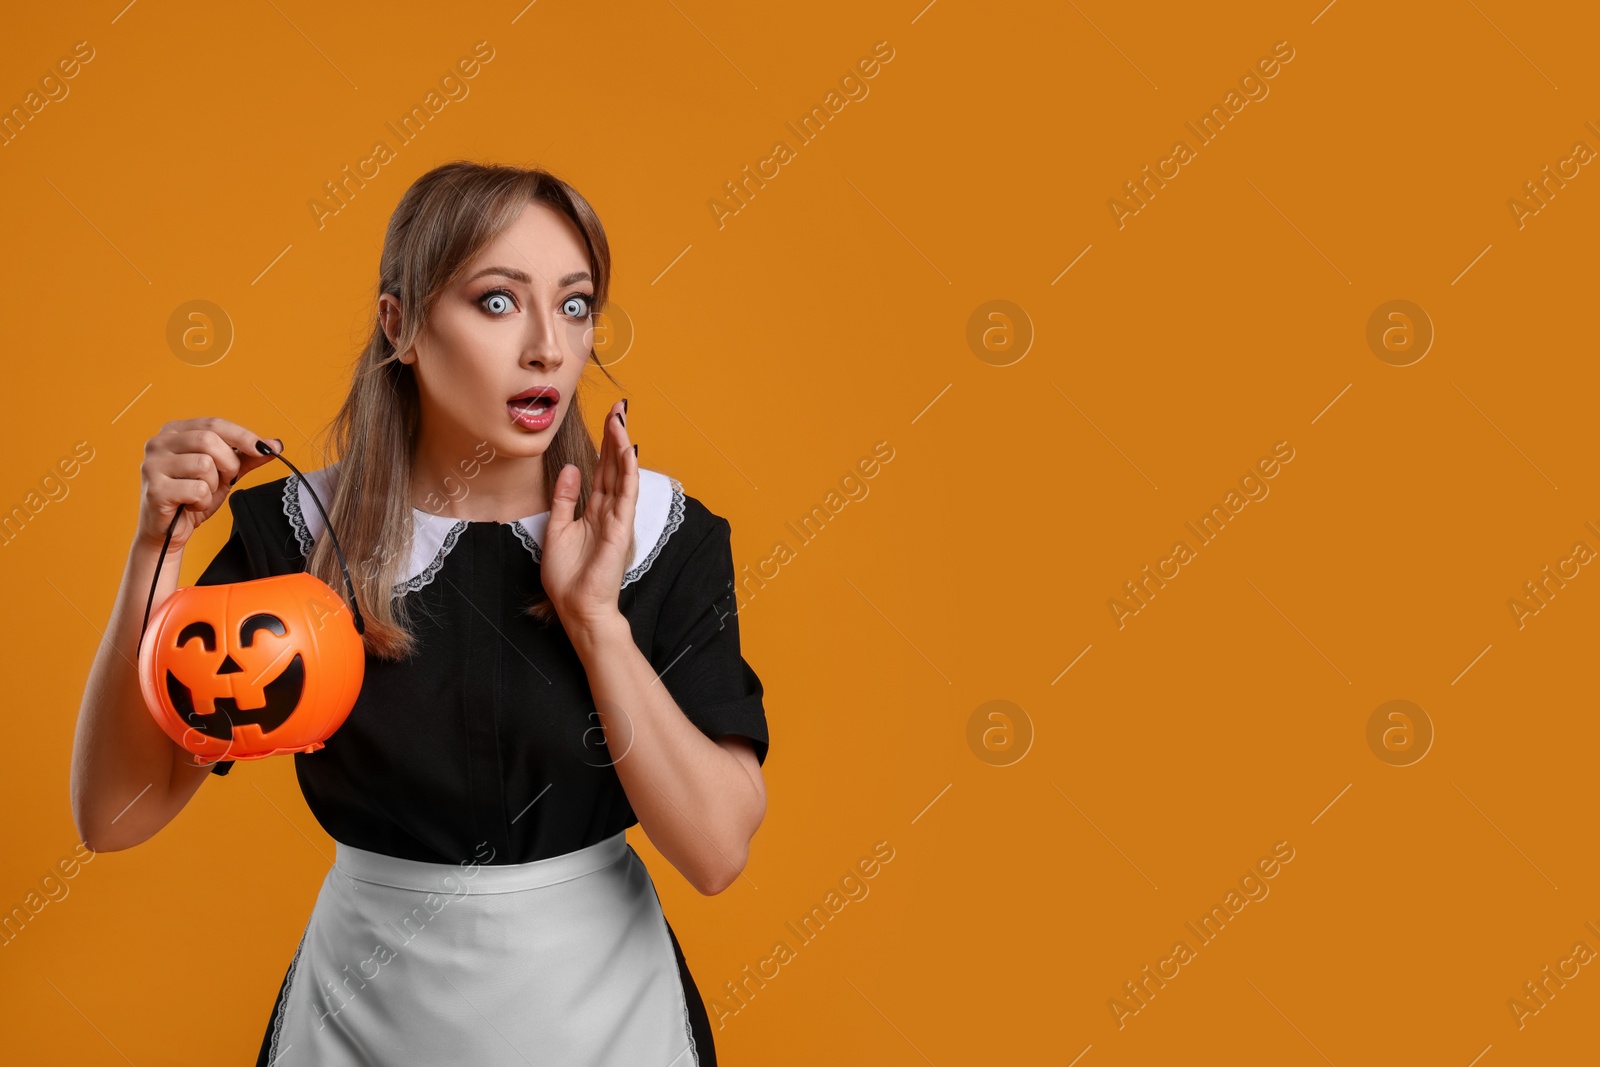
(584, 560)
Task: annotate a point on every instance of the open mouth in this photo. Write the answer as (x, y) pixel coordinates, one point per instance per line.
(536, 402)
(536, 406)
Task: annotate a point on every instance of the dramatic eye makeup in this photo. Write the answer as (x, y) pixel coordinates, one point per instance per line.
(500, 302)
(585, 302)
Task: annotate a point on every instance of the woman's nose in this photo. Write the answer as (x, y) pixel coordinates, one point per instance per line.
(545, 344)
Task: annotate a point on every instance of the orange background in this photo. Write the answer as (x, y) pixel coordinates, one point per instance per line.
(832, 313)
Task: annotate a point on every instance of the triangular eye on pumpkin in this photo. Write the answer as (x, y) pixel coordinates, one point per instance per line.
(252, 669)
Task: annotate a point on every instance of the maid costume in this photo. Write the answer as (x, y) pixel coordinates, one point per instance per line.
(484, 905)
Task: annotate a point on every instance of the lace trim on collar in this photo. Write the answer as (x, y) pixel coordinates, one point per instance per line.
(674, 520)
(291, 508)
(427, 574)
(528, 541)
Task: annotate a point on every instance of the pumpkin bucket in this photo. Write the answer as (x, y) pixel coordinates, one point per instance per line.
(246, 670)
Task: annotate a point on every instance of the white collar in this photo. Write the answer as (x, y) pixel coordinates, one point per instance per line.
(658, 513)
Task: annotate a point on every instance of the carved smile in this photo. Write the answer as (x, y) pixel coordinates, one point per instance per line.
(282, 693)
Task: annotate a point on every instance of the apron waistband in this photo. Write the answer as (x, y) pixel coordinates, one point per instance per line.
(471, 877)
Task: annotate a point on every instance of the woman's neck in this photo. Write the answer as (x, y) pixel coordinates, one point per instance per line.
(473, 480)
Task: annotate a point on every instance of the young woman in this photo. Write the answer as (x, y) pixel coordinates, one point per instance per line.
(552, 655)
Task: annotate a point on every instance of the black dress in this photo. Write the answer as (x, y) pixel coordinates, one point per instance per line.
(486, 742)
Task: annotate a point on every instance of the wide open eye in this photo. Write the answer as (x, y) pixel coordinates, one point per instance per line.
(262, 621)
(497, 302)
(577, 305)
(202, 630)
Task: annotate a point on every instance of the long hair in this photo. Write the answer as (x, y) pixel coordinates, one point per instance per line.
(444, 219)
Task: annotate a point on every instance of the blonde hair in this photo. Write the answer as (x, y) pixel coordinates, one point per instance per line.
(444, 219)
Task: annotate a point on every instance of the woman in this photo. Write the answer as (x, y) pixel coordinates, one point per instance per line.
(523, 593)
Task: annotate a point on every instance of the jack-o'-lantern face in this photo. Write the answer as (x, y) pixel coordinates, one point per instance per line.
(252, 672)
(252, 669)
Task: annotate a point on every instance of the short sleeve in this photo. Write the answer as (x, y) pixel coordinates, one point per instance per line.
(696, 649)
(239, 560)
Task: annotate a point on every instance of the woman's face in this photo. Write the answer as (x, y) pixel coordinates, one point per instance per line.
(519, 318)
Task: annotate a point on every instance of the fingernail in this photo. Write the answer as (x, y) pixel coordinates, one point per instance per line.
(233, 479)
(621, 419)
(624, 403)
(636, 450)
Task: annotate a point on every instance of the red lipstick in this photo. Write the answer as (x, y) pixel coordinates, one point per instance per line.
(534, 409)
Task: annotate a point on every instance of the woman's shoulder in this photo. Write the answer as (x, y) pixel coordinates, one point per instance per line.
(262, 504)
(692, 536)
(668, 523)
(697, 523)
(266, 497)
(273, 507)
(263, 540)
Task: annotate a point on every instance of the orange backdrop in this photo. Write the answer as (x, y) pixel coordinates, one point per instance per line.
(1223, 373)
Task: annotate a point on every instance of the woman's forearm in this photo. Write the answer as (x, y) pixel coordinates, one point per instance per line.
(122, 762)
(695, 799)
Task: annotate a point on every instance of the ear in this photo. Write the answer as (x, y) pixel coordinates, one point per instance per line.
(389, 322)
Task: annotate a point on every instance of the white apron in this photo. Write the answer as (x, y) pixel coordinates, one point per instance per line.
(565, 960)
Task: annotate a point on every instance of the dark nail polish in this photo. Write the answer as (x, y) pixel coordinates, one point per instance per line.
(624, 403)
(636, 450)
(621, 419)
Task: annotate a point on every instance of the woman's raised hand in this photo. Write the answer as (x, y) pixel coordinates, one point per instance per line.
(189, 465)
(583, 560)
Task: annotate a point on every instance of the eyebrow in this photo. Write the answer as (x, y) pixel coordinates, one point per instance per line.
(522, 276)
